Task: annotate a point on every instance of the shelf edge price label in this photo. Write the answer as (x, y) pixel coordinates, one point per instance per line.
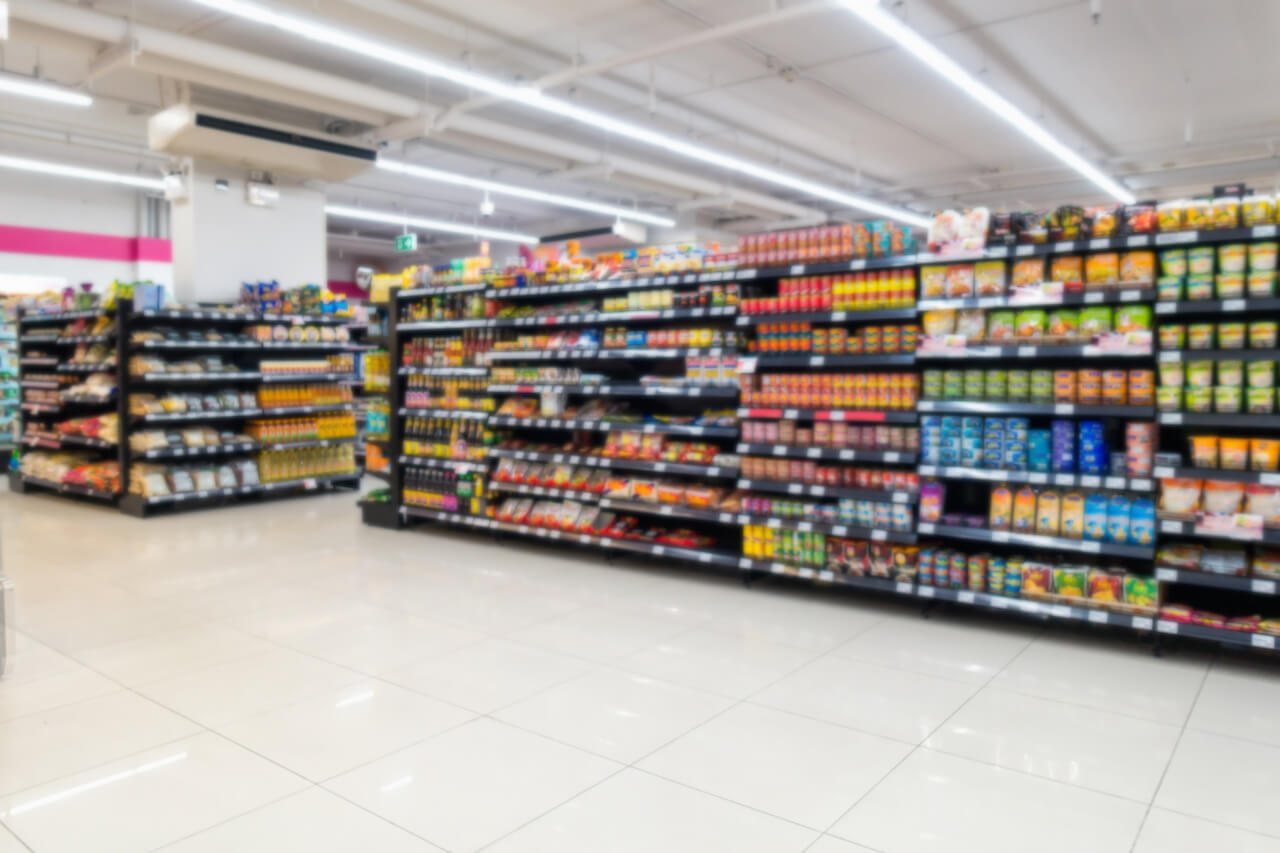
(1170, 526)
(1262, 587)
(1098, 617)
(1142, 623)
(862, 264)
(1023, 251)
(879, 535)
(1262, 641)
(902, 588)
(1233, 304)
(1173, 418)
(1164, 574)
(1064, 408)
(1264, 231)
(1026, 352)
(966, 596)
(999, 602)
(1164, 626)
(1000, 536)
(926, 527)
(1093, 298)
(813, 453)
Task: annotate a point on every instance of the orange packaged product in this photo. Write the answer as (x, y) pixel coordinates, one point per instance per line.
(960, 281)
(1064, 386)
(1089, 387)
(1067, 268)
(1028, 271)
(1115, 387)
(671, 493)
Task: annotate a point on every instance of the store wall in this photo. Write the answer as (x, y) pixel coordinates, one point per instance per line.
(73, 232)
(221, 241)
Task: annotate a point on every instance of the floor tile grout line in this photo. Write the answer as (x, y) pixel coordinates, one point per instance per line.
(917, 746)
(16, 836)
(1204, 679)
(227, 820)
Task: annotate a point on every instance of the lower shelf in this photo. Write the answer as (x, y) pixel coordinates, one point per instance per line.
(141, 506)
(19, 482)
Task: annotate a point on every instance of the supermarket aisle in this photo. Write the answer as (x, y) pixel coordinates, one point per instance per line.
(281, 678)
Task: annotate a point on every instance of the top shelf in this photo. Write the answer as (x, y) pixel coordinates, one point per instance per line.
(61, 316)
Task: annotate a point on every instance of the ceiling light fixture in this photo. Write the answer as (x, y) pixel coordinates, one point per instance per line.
(496, 188)
(21, 164)
(12, 84)
(922, 49)
(531, 97)
(342, 212)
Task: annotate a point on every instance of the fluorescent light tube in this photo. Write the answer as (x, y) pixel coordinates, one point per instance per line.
(369, 49)
(496, 188)
(426, 224)
(11, 84)
(922, 49)
(22, 164)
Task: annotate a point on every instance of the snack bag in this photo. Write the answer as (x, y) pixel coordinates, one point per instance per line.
(1102, 270)
(1001, 515)
(1028, 272)
(1067, 268)
(1064, 323)
(1137, 267)
(960, 281)
(1141, 592)
(1105, 588)
(933, 282)
(1001, 325)
(1070, 582)
(1024, 510)
(1118, 519)
(990, 278)
(1048, 513)
(1030, 324)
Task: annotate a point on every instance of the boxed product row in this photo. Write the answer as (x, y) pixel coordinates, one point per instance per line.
(997, 278)
(1221, 386)
(1017, 576)
(145, 363)
(186, 438)
(573, 517)
(323, 394)
(447, 491)
(1094, 516)
(656, 447)
(706, 296)
(154, 481)
(1185, 497)
(879, 238)
(896, 391)
(880, 515)
(1010, 444)
(620, 337)
(452, 306)
(780, 469)
(615, 484)
(1036, 325)
(448, 392)
(334, 363)
(1207, 214)
(72, 468)
(105, 427)
(1235, 561)
(1228, 453)
(832, 435)
(817, 550)
(342, 425)
(457, 350)
(1086, 386)
(1186, 615)
(776, 338)
(1258, 334)
(863, 291)
(296, 334)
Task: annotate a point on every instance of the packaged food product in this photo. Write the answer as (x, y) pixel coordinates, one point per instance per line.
(1142, 522)
(1173, 262)
(1105, 588)
(1230, 285)
(1266, 564)
(1261, 374)
(1064, 323)
(1262, 256)
(1200, 260)
(1141, 593)
(1226, 212)
(933, 282)
(1258, 210)
(1200, 335)
(1199, 374)
(1133, 318)
(1064, 386)
(1048, 513)
(1102, 269)
(1095, 517)
(1171, 374)
(1231, 373)
(1227, 399)
(1001, 325)
(1138, 267)
(1169, 215)
(1173, 336)
(1037, 580)
(1067, 268)
(960, 281)
(1198, 399)
(1231, 257)
(1264, 454)
(1072, 515)
(1028, 271)
(1070, 582)
(1199, 287)
(1169, 288)
(977, 571)
(1261, 285)
(1198, 214)
(990, 278)
(1169, 398)
(1095, 320)
(1031, 324)
(940, 322)
(1115, 387)
(971, 323)
(1233, 453)
(1118, 519)
(1262, 334)
(1260, 401)
(1024, 510)
(1204, 451)
(1222, 496)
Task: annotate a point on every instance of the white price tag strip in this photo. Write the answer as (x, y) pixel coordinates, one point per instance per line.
(1098, 616)
(1164, 626)
(966, 596)
(1142, 623)
(926, 592)
(902, 588)
(1262, 587)
(1263, 641)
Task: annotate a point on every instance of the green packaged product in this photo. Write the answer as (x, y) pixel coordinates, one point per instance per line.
(1262, 374)
(1231, 335)
(953, 385)
(1171, 374)
(1001, 325)
(1064, 324)
(1199, 399)
(1260, 400)
(1231, 373)
(1031, 324)
(1200, 261)
(1173, 262)
(1041, 385)
(1200, 335)
(931, 384)
(1141, 591)
(996, 385)
(1019, 385)
(1262, 256)
(1227, 399)
(1262, 334)
(1199, 374)
(1169, 398)
(1169, 288)
(1094, 321)
(1230, 285)
(1199, 287)
(973, 384)
(1262, 285)
(1133, 318)
(1173, 336)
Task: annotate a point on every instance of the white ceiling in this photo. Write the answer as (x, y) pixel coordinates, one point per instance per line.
(1171, 95)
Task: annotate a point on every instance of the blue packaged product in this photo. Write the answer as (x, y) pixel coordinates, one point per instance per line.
(924, 562)
(1019, 425)
(1063, 461)
(1142, 522)
(1095, 517)
(1038, 450)
(931, 421)
(1118, 519)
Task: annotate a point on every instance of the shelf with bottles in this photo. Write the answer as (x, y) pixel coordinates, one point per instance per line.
(633, 451)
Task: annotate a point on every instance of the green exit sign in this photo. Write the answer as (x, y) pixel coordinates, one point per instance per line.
(407, 243)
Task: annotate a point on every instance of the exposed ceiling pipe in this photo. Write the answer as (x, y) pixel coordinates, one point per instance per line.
(593, 69)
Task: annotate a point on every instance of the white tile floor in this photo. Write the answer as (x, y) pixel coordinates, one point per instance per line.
(281, 678)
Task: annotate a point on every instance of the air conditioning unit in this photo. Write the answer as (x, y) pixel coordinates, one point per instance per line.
(186, 130)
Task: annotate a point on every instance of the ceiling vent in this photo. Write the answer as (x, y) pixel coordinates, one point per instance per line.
(190, 131)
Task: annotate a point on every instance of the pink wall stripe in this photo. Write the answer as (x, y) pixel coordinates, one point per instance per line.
(81, 244)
